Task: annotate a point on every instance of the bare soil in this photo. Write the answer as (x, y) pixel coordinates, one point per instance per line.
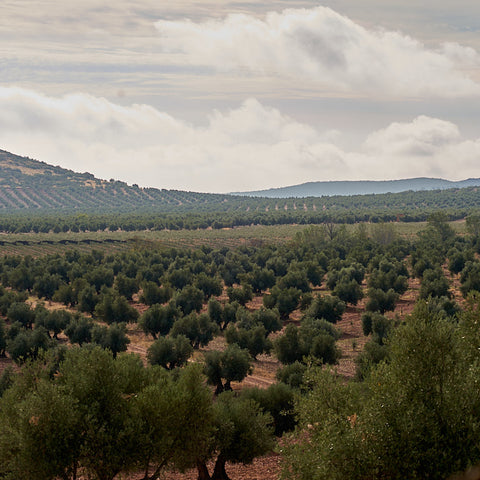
(351, 344)
(262, 468)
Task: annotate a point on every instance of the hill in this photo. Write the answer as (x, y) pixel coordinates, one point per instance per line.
(362, 187)
(30, 184)
(30, 189)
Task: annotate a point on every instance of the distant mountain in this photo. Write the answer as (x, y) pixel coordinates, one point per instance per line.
(320, 189)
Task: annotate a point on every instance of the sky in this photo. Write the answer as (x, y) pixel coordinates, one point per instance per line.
(224, 96)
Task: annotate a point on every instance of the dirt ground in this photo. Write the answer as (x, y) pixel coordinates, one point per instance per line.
(262, 468)
(351, 344)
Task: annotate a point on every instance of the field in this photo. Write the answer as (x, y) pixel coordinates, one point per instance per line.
(37, 244)
(351, 342)
(352, 339)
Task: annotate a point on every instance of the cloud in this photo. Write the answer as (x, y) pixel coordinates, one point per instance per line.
(423, 147)
(110, 48)
(321, 47)
(247, 148)
(424, 136)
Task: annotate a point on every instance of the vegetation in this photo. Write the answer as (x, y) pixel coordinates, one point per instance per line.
(37, 197)
(206, 308)
(129, 416)
(378, 430)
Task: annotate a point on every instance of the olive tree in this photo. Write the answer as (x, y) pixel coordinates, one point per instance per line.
(378, 429)
(222, 368)
(169, 352)
(243, 432)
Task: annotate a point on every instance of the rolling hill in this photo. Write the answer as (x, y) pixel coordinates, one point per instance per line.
(30, 184)
(364, 187)
(31, 188)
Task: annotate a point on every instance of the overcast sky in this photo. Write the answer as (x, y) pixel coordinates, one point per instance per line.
(222, 96)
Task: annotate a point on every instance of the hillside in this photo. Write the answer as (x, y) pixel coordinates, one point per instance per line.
(366, 187)
(30, 184)
(30, 189)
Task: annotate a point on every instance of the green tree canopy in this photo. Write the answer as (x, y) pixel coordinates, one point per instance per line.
(416, 416)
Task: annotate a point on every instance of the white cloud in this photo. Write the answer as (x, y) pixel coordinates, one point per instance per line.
(423, 136)
(423, 147)
(247, 148)
(319, 46)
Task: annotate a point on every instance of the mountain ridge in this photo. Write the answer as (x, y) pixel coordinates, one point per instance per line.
(359, 187)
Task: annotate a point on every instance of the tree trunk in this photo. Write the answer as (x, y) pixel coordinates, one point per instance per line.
(202, 470)
(219, 388)
(156, 474)
(219, 473)
(147, 465)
